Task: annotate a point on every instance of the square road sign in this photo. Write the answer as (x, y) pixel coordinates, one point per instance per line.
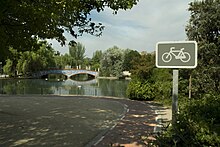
(179, 54)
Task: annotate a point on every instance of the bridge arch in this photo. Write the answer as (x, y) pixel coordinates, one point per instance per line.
(53, 76)
(84, 75)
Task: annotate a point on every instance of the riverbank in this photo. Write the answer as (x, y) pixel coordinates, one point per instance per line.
(4, 76)
(113, 78)
(110, 78)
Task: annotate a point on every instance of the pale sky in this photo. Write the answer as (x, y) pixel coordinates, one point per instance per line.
(139, 28)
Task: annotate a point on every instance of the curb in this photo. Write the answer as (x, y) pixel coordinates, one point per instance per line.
(164, 116)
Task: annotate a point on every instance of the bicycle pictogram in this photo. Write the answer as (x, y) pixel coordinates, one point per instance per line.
(178, 54)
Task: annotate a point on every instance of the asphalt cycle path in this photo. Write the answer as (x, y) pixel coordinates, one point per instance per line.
(55, 121)
(73, 121)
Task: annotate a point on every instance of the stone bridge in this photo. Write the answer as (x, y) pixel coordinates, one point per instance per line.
(66, 72)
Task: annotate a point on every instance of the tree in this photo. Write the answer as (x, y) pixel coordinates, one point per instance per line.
(87, 63)
(77, 52)
(32, 61)
(11, 62)
(198, 118)
(22, 22)
(130, 55)
(204, 28)
(112, 61)
(143, 67)
(47, 54)
(7, 69)
(148, 82)
(58, 62)
(96, 59)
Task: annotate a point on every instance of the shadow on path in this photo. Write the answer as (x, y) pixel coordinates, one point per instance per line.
(76, 121)
(55, 121)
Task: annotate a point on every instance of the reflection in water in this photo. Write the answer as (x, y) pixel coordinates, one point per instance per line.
(82, 77)
(73, 82)
(95, 87)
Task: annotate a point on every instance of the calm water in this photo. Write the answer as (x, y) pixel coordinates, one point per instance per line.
(96, 87)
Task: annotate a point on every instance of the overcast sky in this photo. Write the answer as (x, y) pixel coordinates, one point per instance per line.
(139, 28)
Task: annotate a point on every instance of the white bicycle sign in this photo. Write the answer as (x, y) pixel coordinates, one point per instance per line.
(178, 54)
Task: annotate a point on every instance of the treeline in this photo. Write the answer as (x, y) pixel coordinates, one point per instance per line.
(30, 61)
(44, 57)
(110, 63)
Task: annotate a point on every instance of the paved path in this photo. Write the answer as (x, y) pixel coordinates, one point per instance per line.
(141, 121)
(55, 121)
(75, 121)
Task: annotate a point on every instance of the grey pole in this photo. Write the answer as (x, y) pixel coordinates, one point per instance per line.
(175, 96)
(190, 86)
(0, 68)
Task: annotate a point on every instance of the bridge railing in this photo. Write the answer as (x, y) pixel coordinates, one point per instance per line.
(67, 72)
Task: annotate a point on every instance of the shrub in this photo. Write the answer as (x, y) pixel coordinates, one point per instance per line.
(140, 91)
(163, 92)
(198, 124)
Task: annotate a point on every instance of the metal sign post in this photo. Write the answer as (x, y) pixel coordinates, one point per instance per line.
(175, 96)
(179, 54)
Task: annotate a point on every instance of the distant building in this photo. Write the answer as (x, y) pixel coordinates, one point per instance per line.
(126, 73)
(67, 67)
(145, 53)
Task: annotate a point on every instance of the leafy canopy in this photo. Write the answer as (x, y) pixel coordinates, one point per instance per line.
(77, 51)
(204, 27)
(112, 61)
(22, 22)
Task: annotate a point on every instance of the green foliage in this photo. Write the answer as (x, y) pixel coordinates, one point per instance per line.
(58, 62)
(197, 124)
(205, 81)
(129, 57)
(206, 109)
(140, 91)
(143, 66)
(148, 82)
(204, 28)
(163, 91)
(29, 61)
(77, 52)
(11, 62)
(162, 80)
(198, 119)
(7, 69)
(22, 22)
(156, 87)
(112, 61)
(97, 56)
(115, 60)
(204, 21)
(96, 60)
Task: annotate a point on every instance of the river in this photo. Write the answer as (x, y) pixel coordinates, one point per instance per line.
(95, 87)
